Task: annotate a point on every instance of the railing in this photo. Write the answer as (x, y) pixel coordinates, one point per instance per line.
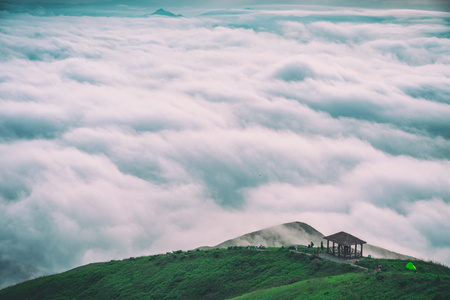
(348, 254)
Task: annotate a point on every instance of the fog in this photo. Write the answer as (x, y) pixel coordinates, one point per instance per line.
(128, 134)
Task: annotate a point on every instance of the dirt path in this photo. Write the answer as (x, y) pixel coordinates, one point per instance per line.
(350, 261)
(327, 256)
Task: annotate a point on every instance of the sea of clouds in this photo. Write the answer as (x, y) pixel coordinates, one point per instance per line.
(124, 136)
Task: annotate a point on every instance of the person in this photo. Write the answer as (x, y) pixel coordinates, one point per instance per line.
(312, 244)
(379, 267)
(306, 249)
(321, 246)
(376, 268)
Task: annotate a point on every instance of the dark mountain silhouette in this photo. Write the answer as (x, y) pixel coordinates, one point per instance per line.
(162, 12)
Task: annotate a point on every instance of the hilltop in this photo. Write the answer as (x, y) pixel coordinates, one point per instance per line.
(298, 233)
(237, 271)
(229, 270)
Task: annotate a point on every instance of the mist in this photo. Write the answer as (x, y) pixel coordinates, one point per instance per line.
(124, 133)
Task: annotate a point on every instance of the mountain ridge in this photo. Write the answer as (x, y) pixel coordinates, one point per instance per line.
(298, 233)
(225, 273)
(232, 271)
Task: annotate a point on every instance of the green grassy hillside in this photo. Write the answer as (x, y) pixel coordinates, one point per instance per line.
(393, 282)
(227, 273)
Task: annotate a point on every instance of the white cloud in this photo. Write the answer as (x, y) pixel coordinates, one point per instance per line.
(130, 136)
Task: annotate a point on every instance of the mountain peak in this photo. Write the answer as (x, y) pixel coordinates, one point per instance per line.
(163, 12)
(277, 236)
(297, 233)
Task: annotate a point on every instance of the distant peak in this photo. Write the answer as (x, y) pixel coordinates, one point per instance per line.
(163, 12)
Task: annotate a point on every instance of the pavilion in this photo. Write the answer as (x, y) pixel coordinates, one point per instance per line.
(345, 243)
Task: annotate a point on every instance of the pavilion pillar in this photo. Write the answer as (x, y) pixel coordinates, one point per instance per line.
(328, 246)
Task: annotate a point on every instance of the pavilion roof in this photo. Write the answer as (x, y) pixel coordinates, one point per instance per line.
(344, 238)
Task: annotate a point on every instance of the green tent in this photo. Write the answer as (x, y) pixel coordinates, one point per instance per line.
(410, 266)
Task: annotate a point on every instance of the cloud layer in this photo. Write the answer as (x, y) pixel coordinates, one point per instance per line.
(130, 136)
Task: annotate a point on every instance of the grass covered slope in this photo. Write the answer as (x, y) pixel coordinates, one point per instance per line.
(432, 281)
(228, 273)
(359, 286)
(212, 274)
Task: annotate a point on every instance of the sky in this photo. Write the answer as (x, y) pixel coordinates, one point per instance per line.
(126, 134)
